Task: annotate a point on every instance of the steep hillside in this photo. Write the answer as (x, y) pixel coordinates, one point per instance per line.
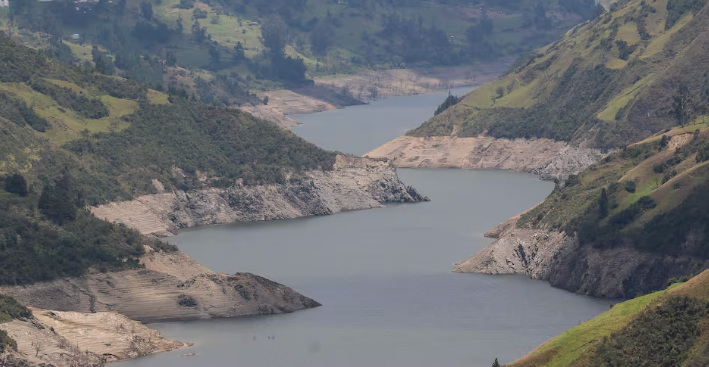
(607, 83)
(665, 328)
(621, 228)
(73, 138)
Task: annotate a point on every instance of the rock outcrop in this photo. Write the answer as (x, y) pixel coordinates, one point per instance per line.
(548, 158)
(554, 256)
(81, 339)
(171, 287)
(353, 183)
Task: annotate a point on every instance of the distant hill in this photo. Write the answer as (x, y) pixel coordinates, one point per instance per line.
(606, 83)
(218, 49)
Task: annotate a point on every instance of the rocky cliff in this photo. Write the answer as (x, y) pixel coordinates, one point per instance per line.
(353, 183)
(551, 255)
(172, 286)
(548, 158)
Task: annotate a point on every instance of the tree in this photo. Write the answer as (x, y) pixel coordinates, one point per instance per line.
(180, 27)
(274, 33)
(198, 32)
(239, 54)
(171, 59)
(500, 92)
(663, 142)
(682, 104)
(214, 56)
(146, 9)
(322, 37)
(373, 92)
(496, 363)
(16, 184)
(603, 204)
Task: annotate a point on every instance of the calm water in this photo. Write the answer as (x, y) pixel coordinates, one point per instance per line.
(359, 129)
(382, 275)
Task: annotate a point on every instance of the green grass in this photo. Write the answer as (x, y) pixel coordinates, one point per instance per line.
(571, 344)
(659, 42)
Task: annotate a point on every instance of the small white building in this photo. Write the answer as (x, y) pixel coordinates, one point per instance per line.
(4, 3)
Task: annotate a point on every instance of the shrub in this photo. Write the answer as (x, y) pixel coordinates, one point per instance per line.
(16, 184)
(10, 309)
(186, 301)
(630, 186)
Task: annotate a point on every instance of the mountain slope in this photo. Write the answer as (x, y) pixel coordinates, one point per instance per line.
(621, 228)
(607, 83)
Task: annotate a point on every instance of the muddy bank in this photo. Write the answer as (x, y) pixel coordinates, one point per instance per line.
(353, 183)
(548, 158)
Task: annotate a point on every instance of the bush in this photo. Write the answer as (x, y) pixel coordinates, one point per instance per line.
(186, 301)
(16, 184)
(17, 111)
(630, 186)
(10, 309)
(6, 342)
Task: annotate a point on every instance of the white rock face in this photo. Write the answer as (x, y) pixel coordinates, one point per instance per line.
(551, 255)
(354, 183)
(548, 158)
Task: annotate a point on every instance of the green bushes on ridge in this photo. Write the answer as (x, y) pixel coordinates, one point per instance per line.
(220, 141)
(65, 97)
(17, 111)
(661, 336)
(677, 8)
(11, 309)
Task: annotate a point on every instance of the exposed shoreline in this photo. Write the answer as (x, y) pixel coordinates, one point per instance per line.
(329, 93)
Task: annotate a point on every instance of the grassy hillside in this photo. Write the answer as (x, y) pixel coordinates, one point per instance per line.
(665, 328)
(608, 82)
(71, 137)
(221, 48)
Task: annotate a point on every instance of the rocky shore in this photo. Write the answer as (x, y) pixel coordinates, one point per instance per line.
(547, 158)
(353, 183)
(554, 256)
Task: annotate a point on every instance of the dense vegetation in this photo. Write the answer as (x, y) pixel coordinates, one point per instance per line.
(221, 142)
(49, 235)
(662, 335)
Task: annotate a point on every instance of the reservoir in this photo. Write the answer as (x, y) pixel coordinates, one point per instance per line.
(382, 275)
